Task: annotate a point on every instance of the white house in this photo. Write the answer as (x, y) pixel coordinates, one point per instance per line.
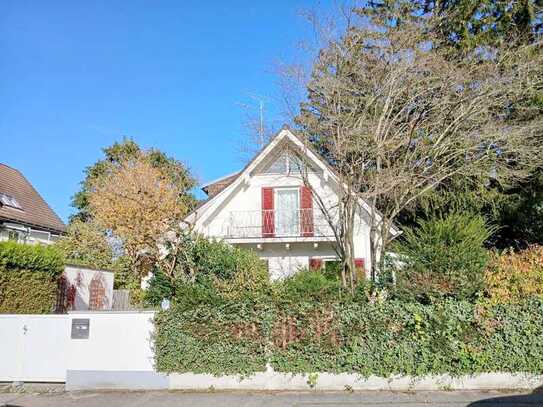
(266, 207)
(24, 214)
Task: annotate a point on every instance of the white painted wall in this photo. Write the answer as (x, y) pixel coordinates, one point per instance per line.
(38, 348)
(33, 347)
(283, 263)
(118, 341)
(248, 197)
(81, 278)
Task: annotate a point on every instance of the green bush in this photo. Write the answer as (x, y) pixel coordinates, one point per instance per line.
(309, 286)
(28, 278)
(414, 339)
(384, 339)
(210, 268)
(443, 258)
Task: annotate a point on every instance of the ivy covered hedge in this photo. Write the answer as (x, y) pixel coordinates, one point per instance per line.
(228, 339)
(370, 339)
(28, 278)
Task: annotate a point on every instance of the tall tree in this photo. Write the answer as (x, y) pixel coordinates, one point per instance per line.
(466, 24)
(397, 116)
(461, 25)
(118, 154)
(142, 207)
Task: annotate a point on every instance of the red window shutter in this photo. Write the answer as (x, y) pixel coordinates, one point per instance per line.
(306, 216)
(315, 264)
(359, 263)
(268, 224)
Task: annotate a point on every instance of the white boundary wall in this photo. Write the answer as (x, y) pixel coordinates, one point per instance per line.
(33, 347)
(119, 340)
(118, 354)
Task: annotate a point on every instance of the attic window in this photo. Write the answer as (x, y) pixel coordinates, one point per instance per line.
(285, 163)
(8, 200)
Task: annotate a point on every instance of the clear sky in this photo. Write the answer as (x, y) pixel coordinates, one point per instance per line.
(75, 76)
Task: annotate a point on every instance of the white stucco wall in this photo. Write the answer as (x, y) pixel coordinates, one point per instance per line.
(248, 197)
(283, 262)
(118, 341)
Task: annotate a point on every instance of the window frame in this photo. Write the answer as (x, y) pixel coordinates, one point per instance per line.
(276, 194)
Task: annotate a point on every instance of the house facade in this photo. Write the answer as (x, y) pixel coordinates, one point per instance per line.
(271, 207)
(24, 214)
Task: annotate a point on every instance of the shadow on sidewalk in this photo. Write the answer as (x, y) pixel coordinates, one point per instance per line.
(535, 398)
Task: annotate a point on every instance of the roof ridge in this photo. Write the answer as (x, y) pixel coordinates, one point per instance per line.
(12, 168)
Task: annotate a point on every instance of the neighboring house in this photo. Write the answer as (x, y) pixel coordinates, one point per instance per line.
(267, 208)
(24, 215)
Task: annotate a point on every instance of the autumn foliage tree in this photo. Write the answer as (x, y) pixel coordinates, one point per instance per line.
(142, 207)
(115, 156)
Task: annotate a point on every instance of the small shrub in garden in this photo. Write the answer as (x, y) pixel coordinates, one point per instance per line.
(159, 287)
(443, 258)
(211, 268)
(31, 257)
(309, 286)
(28, 278)
(513, 277)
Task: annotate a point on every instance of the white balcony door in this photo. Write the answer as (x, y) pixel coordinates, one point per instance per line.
(287, 212)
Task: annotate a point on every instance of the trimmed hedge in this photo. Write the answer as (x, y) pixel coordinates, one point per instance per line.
(368, 339)
(28, 278)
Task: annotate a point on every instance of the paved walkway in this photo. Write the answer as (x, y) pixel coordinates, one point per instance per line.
(280, 399)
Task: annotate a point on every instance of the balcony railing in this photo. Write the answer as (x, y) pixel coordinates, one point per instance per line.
(271, 223)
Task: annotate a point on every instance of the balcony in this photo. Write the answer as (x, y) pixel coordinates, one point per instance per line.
(274, 224)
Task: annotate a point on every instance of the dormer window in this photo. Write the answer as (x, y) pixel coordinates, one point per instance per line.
(8, 200)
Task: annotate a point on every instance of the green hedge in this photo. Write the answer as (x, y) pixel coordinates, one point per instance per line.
(28, 278)
(369, 339)
(228, 339)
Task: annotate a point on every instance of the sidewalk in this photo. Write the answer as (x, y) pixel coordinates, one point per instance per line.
(277, 399)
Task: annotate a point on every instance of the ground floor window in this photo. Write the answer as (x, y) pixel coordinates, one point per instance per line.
(14, 235)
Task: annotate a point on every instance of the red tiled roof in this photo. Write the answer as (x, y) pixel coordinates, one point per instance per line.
(34, 212)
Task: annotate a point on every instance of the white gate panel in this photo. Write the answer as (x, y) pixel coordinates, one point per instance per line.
(10, 347)
(45, 344)
(34, 347)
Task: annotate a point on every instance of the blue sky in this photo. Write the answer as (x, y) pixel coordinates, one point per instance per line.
(77, 75)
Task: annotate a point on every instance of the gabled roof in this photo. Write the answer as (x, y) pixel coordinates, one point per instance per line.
(233, 180)
(33, 211)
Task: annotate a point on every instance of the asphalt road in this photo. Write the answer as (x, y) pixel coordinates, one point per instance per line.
(279, 399)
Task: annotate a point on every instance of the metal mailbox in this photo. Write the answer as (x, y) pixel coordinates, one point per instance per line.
(80, 328)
